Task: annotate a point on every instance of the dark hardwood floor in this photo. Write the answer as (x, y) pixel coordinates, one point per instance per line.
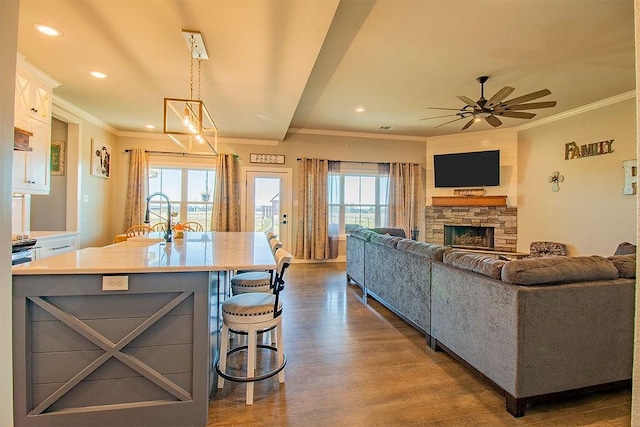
(356, 365)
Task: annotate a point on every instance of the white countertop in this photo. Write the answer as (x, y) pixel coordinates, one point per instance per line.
(51, 234)
(198, 251)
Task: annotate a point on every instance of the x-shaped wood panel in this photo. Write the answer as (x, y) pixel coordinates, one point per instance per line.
(111, 349)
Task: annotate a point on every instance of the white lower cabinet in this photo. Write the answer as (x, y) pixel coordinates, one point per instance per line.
(56, 244)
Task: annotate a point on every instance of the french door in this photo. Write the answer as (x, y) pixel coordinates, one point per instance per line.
(267, 202)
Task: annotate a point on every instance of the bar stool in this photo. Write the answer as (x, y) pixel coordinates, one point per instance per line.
(251, 314)
(255, 281)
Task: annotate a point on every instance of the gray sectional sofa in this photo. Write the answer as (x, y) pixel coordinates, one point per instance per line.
(537, 328)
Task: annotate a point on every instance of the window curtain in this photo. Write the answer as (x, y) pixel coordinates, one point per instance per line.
(226, 194)
(333, 191)
(406, 196)
(312, 240)
(137, 188)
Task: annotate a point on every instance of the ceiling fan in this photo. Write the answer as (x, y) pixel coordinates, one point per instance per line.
(495, 106)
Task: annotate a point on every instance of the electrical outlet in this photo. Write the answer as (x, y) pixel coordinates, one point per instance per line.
(115, 283)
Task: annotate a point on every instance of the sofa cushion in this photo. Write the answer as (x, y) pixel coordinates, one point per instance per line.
(383, 239)
(362, 233)
(434, 252)
(478, 263)
(558, 269)
(625, 264)
(390, 231)
(625, 248)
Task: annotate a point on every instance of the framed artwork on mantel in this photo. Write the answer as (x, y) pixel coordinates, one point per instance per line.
(57, 158)
(100, 159)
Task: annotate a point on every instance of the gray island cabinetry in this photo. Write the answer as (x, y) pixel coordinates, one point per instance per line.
(126, 334)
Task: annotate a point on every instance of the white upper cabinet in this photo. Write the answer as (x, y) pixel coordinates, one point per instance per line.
(31, 169)
(33, 97)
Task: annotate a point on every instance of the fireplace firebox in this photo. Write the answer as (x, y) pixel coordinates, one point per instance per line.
(468, 237)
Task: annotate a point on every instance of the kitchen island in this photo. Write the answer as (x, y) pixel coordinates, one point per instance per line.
(126, 334)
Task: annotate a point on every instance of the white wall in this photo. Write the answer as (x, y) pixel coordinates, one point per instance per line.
(589, 213)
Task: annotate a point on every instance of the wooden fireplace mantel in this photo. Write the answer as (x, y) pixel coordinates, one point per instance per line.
(469, 201)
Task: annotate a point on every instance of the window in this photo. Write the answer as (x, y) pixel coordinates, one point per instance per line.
(358, 199)
(188, 189)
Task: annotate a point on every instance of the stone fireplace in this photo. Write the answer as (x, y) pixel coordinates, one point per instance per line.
(502, 219)
(468, 237)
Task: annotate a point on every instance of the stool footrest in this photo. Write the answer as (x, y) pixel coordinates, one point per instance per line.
(251, 379)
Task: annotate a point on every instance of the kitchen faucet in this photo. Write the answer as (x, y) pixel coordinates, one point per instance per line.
(167, 233)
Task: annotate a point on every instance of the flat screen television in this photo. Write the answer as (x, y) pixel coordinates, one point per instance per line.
(472, 169)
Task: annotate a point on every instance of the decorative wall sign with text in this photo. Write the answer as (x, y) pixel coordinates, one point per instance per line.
(630, 176)
(575, 151)
(267, 158)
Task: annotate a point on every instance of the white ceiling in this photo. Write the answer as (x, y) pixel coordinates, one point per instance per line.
(277, 65)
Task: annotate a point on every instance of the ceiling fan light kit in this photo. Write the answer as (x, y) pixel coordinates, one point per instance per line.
(187, 121)
(489, 110)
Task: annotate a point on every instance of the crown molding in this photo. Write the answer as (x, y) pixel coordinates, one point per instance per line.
(350, 134)
(36, 72)
(580, 110)
(73, 109)
(226, 140)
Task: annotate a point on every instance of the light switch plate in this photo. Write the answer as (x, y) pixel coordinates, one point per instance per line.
(115, 283)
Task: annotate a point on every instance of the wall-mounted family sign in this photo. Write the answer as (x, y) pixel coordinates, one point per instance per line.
(575, 151)
(630, 176)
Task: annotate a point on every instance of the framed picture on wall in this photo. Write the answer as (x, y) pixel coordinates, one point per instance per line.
(100, 158)
(57, 158)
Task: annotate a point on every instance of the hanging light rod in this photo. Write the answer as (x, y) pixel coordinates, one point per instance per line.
(187, 120)
(194, 38)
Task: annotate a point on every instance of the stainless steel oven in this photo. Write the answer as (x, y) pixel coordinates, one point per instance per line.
(22, 251)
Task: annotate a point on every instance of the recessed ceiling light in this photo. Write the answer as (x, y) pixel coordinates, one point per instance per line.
(45, 29)
(150, 126)
(359, 110)
(98, 74)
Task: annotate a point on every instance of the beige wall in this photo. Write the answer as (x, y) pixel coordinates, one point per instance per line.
(8, 46)
(635, 396)
(333, 147)
(505, 140)
(589, 213)
(49, 212)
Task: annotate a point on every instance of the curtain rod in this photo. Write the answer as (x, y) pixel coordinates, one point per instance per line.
(173, 153)
(362, 163)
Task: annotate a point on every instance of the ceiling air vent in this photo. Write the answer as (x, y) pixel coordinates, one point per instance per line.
(387, 127)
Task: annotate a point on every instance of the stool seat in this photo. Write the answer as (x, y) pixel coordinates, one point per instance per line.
(251, 281)
(250, 307)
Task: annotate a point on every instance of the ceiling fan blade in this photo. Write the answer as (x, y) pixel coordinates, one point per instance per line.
(451, 121)
(493, 121)
(528, 97)
(439, 117)
(469, 123)
(440, 108)
(469, 102)
(530, 106)
(515, 114)
(499, 96)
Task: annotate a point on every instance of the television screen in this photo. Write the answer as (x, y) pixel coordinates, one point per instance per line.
(473, 169)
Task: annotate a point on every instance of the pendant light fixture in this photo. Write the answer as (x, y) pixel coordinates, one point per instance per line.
(187, 121)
